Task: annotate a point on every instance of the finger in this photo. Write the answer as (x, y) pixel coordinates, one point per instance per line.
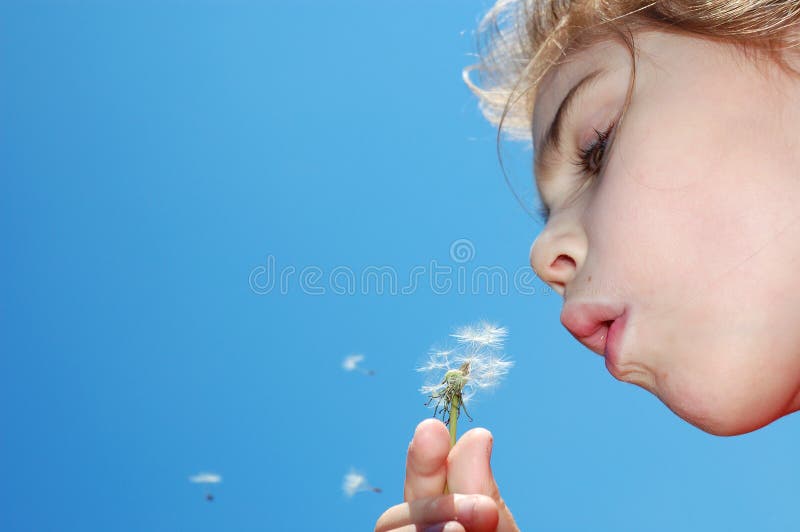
(426, 463)
(469, 470)
(476, 513)
(468, 467)
(450, 526)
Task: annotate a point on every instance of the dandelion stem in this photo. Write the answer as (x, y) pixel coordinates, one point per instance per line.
(453, 423)
(454, 408)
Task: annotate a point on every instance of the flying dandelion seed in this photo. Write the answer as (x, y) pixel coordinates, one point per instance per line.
(206, 479)
(355, 482)
(351, 363)
(455, 375)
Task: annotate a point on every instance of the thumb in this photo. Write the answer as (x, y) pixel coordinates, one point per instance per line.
(469, 471)
(468, 465)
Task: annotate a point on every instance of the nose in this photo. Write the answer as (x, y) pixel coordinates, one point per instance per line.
(557, 254)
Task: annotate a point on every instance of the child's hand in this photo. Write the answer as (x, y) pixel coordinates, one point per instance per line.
(473, 504)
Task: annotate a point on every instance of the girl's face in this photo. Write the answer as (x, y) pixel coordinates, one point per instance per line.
(687, 220)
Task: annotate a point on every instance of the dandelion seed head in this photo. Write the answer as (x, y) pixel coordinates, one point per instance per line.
(476, 363)
(350, 362)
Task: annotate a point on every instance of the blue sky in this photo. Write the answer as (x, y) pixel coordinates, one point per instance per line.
(156, 156)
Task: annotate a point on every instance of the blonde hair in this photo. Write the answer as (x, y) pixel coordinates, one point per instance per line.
(520, 41)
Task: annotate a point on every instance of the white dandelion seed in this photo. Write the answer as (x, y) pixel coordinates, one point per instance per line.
(482, 334)
(205, 478)
(351, 363)
(355, 482)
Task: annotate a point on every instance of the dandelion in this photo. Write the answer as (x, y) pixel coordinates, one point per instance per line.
(455, 375)
(354, 482)
(351, 363)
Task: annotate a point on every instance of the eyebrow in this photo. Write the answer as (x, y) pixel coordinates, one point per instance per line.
(551, 142)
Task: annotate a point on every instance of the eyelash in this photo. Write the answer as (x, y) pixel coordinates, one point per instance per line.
(585, 158)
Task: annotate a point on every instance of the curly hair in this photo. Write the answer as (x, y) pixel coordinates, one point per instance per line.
(520, 41)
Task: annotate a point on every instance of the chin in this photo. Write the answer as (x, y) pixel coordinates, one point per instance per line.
(726, 412)
(726, 425)
(734, 381)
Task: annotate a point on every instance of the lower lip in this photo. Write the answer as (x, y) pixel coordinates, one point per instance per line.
(614, 338)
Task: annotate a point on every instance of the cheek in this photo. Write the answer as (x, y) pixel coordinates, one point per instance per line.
(731, 382)
(718, 336)
(700, 244)
(676, 223)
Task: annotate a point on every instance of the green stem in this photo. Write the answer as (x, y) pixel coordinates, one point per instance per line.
(453, 422)
(454, 408)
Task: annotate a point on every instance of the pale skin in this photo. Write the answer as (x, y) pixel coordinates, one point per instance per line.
(692, 222)
(474, 504)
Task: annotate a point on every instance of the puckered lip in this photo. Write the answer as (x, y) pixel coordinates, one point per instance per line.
(589, 322)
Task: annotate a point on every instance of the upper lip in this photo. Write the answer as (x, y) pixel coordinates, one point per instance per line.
(589, 321)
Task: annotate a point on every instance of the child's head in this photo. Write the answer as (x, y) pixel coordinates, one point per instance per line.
(672, 194)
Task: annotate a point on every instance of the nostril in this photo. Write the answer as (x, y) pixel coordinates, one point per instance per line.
(563, 261)
(560, 272)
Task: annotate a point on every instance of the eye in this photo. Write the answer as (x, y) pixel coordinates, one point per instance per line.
(590, 159)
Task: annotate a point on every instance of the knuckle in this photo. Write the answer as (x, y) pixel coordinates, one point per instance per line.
(440, 506)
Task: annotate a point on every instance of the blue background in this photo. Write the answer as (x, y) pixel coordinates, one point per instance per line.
(153, 155)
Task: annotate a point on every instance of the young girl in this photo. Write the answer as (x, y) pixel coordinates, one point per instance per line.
(666, 140)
